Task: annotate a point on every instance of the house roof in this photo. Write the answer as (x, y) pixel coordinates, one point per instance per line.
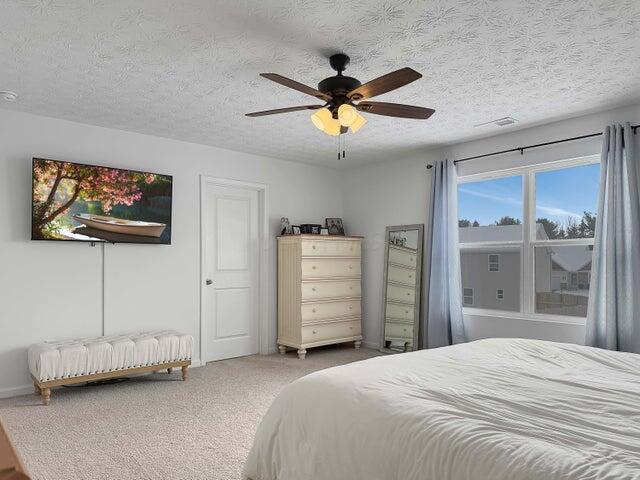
(572, 259)
(497, 233)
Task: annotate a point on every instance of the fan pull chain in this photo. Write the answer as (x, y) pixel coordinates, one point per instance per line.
(344, 145)
(342, 148)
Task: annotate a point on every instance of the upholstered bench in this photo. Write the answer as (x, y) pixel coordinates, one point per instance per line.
(97, 358)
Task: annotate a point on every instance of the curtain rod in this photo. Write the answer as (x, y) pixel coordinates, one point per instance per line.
(522, 149)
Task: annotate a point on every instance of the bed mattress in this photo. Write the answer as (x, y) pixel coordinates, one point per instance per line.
(498, 409)
(85, 356)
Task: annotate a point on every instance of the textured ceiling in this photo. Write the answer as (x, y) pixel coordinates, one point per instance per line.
(188, 69)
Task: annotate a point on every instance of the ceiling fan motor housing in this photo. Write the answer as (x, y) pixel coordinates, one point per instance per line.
(339, 85)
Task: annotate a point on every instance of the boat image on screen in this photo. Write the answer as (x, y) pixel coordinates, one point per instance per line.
(120, 225)
(72, 201)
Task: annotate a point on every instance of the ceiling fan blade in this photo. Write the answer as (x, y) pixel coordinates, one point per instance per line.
(287, 82)
(395, 110)
(283, 110)
(384, 84)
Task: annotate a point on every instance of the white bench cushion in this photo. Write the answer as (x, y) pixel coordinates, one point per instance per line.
(72, 358)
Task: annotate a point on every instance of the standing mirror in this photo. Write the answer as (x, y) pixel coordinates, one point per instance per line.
(401, 299)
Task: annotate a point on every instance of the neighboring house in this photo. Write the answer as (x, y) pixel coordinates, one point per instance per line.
(491, 275)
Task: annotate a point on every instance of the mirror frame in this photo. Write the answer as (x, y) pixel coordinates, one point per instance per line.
(418, 288)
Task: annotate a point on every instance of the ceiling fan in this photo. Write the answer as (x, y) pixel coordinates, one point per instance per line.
(340, 112)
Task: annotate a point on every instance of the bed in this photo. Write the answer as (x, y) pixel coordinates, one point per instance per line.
(493, 409)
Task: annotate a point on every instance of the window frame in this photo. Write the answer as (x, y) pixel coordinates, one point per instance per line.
(496, 263)
(467, 296)
(529, 239)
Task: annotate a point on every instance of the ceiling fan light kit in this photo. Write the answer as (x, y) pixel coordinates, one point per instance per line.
(358, 123)
(340, 113)
(347, 115)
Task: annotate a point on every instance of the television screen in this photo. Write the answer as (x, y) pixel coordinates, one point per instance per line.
(72, 201)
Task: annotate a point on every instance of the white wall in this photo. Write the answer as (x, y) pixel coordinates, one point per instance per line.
(395, 193)
(53, 290)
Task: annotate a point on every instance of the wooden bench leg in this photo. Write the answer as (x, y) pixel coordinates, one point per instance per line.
(37, 388)
(169, 371)
(46, 395)
(185, 373)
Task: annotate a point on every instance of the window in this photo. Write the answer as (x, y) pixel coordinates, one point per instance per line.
(540, 248)
(468, 296)
(487, 204)
(473, 265)
(566, 202)
(563, 278)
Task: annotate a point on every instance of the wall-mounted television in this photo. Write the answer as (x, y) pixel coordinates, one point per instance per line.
(89, 203)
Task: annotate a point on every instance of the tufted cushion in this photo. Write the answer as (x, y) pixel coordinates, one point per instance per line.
(71, 358)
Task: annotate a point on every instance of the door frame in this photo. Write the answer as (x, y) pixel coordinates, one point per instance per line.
(262, 189)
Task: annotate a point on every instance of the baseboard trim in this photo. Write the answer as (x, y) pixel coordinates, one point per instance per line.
(371, 345)
(16, 391)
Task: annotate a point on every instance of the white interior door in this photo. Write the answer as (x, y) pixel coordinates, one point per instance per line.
(230, 219)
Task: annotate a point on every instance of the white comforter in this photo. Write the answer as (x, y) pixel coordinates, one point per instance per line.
(488, 410)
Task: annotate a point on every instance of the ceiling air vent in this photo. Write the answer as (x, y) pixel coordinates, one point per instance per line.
(500, 122)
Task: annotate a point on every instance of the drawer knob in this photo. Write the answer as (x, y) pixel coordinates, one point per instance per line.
(314, 332)
(313, 310)
(313, 289)
(350, 288)
(313, 247)
(405, 329)
(410, 276)
(406, 311)
(408, 294)
(411, 259)
(313, 267)
(350, 267)
(350, 328)
(350, 307)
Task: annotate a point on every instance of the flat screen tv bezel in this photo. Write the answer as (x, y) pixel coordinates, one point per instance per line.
(33, 161)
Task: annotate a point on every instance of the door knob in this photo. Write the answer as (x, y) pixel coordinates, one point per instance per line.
(209, 281)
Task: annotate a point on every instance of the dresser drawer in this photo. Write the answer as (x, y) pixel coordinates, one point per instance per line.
(330, 289)
(330, 331)
(312, 312)
(330, 248)
(398, 331)
(396, 310)
(325, 268)
(405, 276)
(401, 294)
(402, 257)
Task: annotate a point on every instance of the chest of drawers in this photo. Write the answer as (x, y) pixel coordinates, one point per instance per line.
(319, 291)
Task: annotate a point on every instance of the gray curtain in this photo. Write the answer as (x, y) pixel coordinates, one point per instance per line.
(443, 323)
(613, 317)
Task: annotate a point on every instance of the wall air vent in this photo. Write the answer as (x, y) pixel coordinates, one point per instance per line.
(500, 122)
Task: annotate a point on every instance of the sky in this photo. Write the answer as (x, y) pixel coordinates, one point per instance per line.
(560, 194)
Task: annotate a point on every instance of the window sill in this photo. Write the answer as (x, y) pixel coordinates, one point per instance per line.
(564, 319)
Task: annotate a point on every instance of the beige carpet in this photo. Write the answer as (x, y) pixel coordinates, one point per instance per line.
(158, 427)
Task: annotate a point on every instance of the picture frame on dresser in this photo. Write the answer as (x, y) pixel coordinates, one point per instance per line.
(319, 291)
(334, 226)
(402, 283)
